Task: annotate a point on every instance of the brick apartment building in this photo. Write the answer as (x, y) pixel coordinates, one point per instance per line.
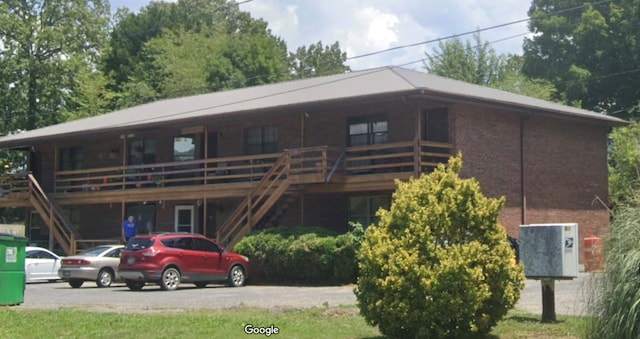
(314, 152)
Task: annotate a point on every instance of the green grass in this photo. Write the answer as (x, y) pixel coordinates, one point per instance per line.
(339, 322)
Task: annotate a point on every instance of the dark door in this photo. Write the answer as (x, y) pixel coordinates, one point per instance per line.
(210, 259)
(145, 216)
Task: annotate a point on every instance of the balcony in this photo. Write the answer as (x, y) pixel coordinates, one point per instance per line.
(233, 176)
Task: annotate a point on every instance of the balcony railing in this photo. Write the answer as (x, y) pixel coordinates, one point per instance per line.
(313, 163)
(249, 168)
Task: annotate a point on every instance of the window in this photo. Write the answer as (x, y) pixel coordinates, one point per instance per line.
(70, 158)
(261, 140)
(368, 131)
(205, 245)
(115, 253)
(37, 254)
(184, 148)
(436, 125)
(142, 152)
(362, 209)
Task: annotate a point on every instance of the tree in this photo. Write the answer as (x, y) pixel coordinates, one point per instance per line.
(438, 263)
(624, 165)
(318, 60)
(192, 47)
(590, 52)
(90, 95)
(38, 40)
(479, 64)
(510, 78)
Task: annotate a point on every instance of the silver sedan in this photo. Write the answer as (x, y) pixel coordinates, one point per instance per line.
(99, 264)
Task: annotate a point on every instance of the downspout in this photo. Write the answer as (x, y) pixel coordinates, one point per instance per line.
(523, 182)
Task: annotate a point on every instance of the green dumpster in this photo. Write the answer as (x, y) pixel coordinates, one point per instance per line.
(12, 276)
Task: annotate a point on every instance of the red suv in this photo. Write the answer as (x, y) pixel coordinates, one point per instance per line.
(171, 258)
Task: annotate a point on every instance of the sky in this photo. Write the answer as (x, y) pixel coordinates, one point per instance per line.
(370, 26)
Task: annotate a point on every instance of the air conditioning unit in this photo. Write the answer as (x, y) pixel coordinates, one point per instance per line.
(549, 250)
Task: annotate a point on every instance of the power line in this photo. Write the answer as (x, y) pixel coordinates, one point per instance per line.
(475, 31)
(476, 46)
(171, 95)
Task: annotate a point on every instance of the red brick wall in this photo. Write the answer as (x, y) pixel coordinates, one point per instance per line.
(565, 166)
(490, 144)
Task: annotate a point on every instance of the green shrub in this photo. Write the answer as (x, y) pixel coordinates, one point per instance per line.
(614, 296)
(438, 264)
(302, 255)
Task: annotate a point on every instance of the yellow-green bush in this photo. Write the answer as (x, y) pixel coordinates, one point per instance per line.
(438, 264)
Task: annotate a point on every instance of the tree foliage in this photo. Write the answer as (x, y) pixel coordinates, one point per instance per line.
(478, 63)
(318, 60)
(624, 165)
(475, 63)
(42, 46)
(589, 51)
(191, 47)
(438, 264)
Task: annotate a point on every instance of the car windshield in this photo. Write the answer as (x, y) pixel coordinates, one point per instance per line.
(136, 244)
(94, 252)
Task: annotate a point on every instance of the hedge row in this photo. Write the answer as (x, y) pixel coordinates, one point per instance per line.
(302, 255)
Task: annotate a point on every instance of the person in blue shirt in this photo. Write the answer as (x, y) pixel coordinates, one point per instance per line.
(129, 228)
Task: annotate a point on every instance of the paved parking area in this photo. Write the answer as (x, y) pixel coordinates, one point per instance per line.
(570, 296)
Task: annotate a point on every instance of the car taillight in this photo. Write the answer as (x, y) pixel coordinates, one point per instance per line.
(75, 262)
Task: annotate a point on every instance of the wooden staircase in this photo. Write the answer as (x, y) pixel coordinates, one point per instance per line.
(63, 232)
(274, 215)
(258, 202)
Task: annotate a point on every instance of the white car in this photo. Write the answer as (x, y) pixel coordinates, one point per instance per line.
(40, 264)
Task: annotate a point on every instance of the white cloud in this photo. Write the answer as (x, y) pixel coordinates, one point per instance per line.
(381, 32)
(368, 26)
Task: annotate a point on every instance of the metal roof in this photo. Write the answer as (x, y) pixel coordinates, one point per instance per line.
(378, 82)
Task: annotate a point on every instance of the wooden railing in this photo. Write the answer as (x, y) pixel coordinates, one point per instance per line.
(64, 233)
(309, 165)
(395, 157)
(312, 160)
(14, 186)
(432, 154)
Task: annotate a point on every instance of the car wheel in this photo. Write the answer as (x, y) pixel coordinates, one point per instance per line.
(135, 285)
(105, 278)
(170, 279)
(76, 283)
(201, 284)
(237, 276)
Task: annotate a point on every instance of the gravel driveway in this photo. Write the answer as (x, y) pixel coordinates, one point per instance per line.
(569, 297)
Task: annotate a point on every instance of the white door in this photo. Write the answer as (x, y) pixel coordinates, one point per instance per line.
(184, 219)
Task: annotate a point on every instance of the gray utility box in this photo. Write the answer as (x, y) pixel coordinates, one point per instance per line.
(549, 250)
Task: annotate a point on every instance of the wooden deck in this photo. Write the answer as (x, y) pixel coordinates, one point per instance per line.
(321, 169)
